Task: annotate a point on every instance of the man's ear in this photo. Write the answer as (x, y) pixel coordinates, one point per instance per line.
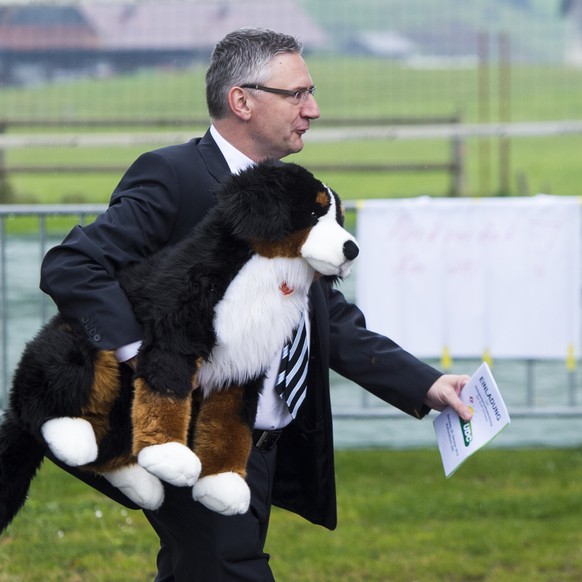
(238, 103)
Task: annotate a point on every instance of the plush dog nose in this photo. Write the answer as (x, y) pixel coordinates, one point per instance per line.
(351, 250)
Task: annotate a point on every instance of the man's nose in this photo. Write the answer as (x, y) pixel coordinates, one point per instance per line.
(310, 108)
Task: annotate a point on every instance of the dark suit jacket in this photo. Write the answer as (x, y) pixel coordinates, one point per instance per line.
(160, 198)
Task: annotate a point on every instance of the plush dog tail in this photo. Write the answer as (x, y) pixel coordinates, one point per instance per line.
(21, 455)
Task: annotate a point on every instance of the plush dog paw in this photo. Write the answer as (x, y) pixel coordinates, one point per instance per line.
(71, 440)
(225, 493)
(173, 463)
(143, 488)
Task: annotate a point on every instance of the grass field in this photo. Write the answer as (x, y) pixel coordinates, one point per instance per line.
(347, 88)
(506, 516)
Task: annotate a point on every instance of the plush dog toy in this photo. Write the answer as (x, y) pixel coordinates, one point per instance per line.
(215, 310)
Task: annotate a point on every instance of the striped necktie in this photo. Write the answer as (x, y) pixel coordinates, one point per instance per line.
(292, 378)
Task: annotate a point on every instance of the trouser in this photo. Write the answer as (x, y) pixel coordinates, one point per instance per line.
(197, 544)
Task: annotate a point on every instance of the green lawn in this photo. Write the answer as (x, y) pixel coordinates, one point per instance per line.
(549, 165)
(348, 89)
(506, 516)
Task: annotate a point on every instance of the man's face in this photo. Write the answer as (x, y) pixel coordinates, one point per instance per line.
(278, 122)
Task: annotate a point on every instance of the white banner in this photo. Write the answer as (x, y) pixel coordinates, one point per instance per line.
(473, 277)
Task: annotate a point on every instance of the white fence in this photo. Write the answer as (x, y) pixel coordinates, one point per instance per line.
(539, 388)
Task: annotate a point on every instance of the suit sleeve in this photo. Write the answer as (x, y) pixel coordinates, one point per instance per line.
(376, 362)
(79, 274)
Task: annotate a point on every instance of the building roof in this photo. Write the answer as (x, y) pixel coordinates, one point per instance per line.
(26, 28)
(149, 24)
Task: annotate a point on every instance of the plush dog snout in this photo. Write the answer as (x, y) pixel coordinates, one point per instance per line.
(351, 250)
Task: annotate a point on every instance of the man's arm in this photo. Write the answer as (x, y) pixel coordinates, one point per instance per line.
(384, 368)
(80, 273)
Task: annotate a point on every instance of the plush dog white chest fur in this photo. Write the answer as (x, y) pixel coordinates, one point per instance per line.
(257, 315)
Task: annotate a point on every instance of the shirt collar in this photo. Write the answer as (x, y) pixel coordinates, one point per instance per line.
(236, 160)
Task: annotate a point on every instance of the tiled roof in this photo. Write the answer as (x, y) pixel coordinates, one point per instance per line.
(151, 25)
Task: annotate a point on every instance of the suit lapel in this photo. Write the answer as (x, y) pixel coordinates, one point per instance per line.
(213, 158)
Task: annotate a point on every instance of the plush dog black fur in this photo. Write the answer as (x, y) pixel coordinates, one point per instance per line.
(244, 272)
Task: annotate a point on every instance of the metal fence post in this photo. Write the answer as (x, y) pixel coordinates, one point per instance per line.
(458, 170)
(4, 187)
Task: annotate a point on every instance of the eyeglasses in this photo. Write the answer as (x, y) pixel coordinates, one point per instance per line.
(300, 96)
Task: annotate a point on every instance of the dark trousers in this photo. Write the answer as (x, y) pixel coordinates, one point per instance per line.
(199, 545)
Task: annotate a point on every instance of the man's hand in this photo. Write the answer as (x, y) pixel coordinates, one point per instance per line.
(445, 392)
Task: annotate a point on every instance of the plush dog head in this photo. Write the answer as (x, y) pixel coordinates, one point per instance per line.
(282, 210)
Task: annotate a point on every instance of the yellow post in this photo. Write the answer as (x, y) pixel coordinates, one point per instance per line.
(571, 358)
(446, 360)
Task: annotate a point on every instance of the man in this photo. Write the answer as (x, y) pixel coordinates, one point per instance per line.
(261, 102)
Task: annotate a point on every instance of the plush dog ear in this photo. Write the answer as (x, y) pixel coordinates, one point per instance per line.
(265, 200)
(255, 202)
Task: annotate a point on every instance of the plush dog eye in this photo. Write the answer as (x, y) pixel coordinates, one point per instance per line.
(316, 214)
(319, 210)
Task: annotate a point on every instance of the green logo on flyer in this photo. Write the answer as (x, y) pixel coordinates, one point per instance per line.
(467, 431)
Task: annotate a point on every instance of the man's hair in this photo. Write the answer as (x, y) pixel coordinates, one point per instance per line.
(243, 57)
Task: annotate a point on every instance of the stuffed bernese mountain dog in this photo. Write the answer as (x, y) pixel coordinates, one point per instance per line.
(215, 309)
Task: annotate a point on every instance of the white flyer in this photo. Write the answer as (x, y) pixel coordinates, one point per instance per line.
(458, 439)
